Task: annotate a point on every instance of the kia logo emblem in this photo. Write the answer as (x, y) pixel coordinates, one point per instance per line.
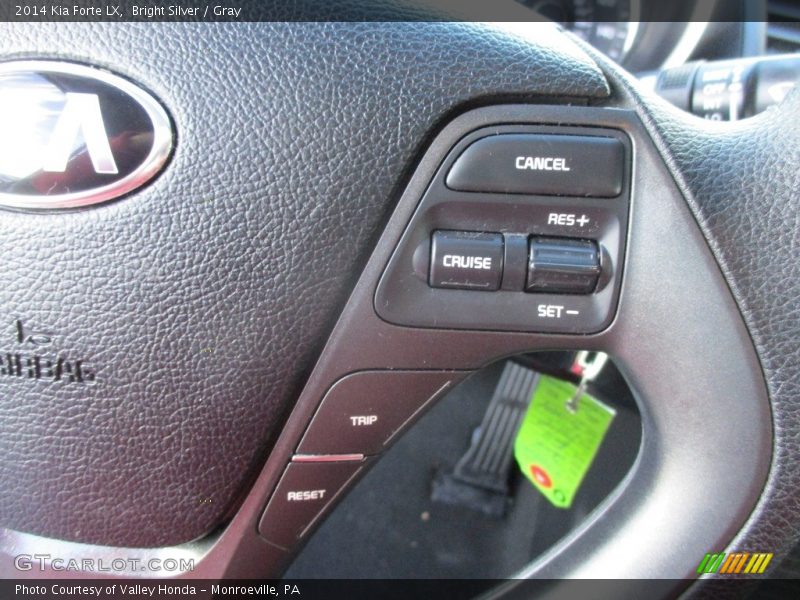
(72, 135)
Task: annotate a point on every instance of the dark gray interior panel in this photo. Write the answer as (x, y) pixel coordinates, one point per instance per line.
(678, 337)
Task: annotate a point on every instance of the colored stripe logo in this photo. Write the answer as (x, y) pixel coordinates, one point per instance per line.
(735, 563)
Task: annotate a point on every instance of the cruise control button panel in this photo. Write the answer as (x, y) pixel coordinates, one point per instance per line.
(466, 260)
(535, 214)
(303, 493)
(546, 164)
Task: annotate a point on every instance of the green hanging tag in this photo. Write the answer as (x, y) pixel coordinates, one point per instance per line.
(557, 441)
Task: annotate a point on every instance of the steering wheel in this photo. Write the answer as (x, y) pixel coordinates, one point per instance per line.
(220, 303)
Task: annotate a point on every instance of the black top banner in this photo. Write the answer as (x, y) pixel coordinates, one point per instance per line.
(240, 11)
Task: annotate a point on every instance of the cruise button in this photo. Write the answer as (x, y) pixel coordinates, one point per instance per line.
(546, 164)
(466, 260)
(303, 493)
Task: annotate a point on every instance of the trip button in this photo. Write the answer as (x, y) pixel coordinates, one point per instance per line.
(466, 260)
(303, 493)
(363, 412)
(546, 164)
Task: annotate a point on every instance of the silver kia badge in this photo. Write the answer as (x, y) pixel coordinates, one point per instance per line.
(72, 135)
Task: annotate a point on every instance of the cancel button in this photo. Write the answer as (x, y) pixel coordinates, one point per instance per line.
(546, 164)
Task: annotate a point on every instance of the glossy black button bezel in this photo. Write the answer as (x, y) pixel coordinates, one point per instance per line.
(403, 296)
